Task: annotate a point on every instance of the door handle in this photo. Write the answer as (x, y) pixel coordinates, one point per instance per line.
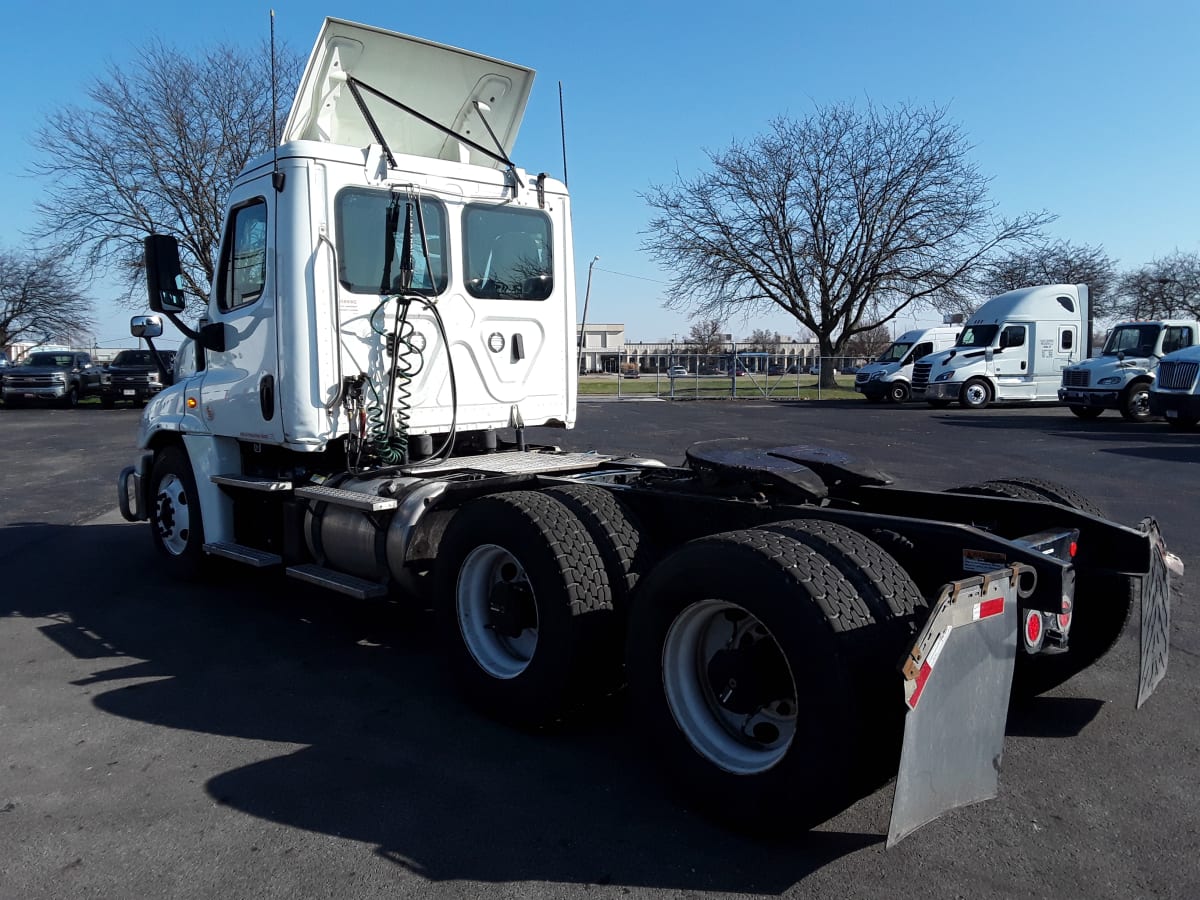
(266, 397)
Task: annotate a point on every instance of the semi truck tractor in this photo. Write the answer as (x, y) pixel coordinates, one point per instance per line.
(1175, 392)
(394, 307)
(1121, 376)
(1013, 348)
(889, 377)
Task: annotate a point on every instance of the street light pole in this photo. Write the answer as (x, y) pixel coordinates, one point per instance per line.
(587, 293)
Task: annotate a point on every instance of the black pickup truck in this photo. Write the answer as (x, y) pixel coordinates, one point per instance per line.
(63, 376)
(133, 376)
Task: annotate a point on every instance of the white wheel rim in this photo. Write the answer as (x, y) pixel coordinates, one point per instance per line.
(486, 568)
(976, 394)
(744, 737)
(173, 516)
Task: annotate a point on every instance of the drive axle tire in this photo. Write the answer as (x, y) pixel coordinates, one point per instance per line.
(525, 606)
(176, 524)
(1086, 412)
(754, 667)
(1135, 402)
(1104, 601)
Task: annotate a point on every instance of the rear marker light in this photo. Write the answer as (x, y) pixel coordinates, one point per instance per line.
(1035, 634)
(1074, 549)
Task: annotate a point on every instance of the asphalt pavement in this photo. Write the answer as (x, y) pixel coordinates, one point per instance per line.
(257, 738)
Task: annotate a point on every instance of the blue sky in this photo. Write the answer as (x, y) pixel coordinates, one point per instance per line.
(1085, 109)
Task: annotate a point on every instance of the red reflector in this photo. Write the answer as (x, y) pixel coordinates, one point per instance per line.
(1074, 549)
(992, 607)
(1033, 628)
(922, 677)
(1064, 621)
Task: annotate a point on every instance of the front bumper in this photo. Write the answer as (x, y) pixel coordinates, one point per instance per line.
(872, 389)
(40, 392)
(141, 391)
(1175, 406)
(942, 390)
(1080, 397)
(131, 486)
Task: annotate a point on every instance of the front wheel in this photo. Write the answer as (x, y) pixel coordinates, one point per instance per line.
(1086, 412)
(976, 394)
(71, 399)
(898, 392)
(1135, 402)
(176, 524)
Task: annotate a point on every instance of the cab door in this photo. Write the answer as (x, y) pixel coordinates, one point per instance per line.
(238, 396)
(1014, 375)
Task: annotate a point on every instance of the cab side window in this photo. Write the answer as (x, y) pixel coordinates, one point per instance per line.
(1176, 338)
(922, 349)
(244, 256)
(1013, 336)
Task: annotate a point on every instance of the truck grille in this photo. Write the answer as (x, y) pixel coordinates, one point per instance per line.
(921, 375)
(32, 381)
(1177, 376)
(862, 377)
(130, 380)
(1076, 378)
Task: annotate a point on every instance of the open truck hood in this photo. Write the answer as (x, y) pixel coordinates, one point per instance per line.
(440, 82)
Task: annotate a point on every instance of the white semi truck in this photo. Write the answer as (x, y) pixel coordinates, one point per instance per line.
(393, 307)
(889, 377)
(1013, 348)
(1121, 376)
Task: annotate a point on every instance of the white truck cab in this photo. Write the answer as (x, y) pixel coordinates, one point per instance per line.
(890, 375)
(1014, 348)
(1121, 376)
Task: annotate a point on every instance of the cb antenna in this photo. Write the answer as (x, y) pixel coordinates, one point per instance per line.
(277, 177)
(562, 127)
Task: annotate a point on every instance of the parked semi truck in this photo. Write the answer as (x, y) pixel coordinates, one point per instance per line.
(890, 375)
(1175, 392)
(1121, 376)
(1013, 348)
(393, 307)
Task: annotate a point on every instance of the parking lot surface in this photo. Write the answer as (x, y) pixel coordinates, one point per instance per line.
(256, 738)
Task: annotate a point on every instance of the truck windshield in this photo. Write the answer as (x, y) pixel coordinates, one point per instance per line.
(894, 353)
(978, 336)
(134, 358)
(57, 360)
(1132, 340)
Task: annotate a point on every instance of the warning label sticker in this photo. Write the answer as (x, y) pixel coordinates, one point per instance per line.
(982, 561)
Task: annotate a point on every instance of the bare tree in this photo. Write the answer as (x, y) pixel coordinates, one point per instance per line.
(842, 219)
(1163, 288)
(1053, 262)
(156, 149)
(38, 300)
(707, 336)
(868, 344)
(765, 340)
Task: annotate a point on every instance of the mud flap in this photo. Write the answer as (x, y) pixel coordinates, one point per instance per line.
(1156, 612)
(958, 678)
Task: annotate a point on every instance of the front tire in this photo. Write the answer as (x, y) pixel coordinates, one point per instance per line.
(976, 394)
(70, 400)
(525, 605)
(1086, 412)
(898, 392)
(1135, 402)
(176, 523)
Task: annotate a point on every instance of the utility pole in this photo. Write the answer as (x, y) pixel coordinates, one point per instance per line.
(587, 293)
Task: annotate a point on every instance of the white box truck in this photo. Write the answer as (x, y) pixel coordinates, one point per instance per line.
(1013, 348)
(889, 377)
(394, 303)
(1121, 376)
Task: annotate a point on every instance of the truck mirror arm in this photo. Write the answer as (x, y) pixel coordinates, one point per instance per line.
(210, 337)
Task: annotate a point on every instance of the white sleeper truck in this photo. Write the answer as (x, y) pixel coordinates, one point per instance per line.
(889, 377)
(1121, 376)
(393, 308)
(1013, 348)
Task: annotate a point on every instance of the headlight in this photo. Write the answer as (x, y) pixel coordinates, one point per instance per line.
(1111, 379)
(945, 376)
(105, 378)
(875, 376)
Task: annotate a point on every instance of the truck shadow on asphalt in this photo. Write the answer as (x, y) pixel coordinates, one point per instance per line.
(391, 755)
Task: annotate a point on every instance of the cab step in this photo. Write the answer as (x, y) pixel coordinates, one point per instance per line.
(352, 499)
(251, 482)
(349, 585)
(250, 556)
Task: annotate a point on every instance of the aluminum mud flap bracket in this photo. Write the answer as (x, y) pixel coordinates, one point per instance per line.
(957, 681)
